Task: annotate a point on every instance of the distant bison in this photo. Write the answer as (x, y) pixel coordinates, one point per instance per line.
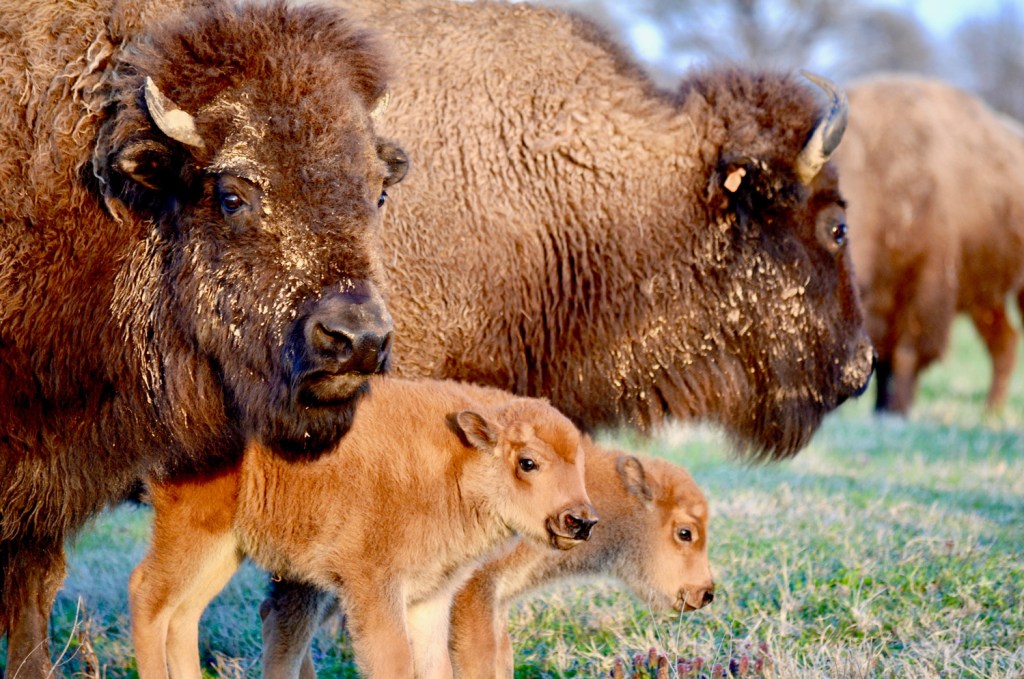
(936, 187)
(188, 256)
(630, 253)
(430, 479)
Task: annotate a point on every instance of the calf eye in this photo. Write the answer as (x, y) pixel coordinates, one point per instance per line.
(684, 535)
(231, 203)
(383, 197)
(527, 464)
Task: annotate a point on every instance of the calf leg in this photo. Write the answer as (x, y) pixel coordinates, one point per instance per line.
(480, 643)
(1000, 338)
(429, 631)
(30, 576)
(376, 618)
(291, 614)
(192, 556)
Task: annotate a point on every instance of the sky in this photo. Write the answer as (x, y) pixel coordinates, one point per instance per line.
(941, 16)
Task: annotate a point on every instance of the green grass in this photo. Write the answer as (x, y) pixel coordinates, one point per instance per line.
(887, 548)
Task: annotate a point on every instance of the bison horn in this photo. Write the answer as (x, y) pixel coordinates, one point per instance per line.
(171, 120)
(827, 135)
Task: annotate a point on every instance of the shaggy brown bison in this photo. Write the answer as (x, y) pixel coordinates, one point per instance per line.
(653, 536)
(936, 186)
(188, 256)
(630, 253)
(431, 478)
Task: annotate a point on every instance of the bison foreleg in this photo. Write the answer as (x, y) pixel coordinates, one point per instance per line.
(1000, 338)
(291, 614)
(30, 576)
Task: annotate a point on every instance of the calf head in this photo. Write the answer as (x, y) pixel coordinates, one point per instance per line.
(243, 144)
(537, 484)
(667, 562)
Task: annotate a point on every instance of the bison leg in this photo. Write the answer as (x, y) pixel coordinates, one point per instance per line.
(1000, 338)
(429, 629)
(30, 576)
(883, 384)
(376, 618)
(291, 614)
(480, 643)
(905, 369)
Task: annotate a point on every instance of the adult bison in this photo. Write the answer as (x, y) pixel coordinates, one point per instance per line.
(188, 256)
(936, 186)
(633, 254)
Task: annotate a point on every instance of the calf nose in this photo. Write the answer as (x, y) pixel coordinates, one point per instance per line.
(578, 522)
(709, 595)
(351, 330)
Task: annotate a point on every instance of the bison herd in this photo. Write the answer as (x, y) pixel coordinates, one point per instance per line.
(202, 273)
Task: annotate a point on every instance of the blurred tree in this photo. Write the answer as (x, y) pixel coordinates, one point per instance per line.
(990, 58)
(839, 38)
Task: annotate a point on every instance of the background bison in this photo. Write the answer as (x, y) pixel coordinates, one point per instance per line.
(936, 187)
(630, 253)
(188, 257)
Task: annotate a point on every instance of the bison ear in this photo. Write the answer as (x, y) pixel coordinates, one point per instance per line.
(473, 430)
(396, 161)
(634, 480)
(145, 162)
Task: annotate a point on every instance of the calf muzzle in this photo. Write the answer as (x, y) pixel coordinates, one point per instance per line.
(572, 526)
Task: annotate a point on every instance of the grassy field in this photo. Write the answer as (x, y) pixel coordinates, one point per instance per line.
(888, 548)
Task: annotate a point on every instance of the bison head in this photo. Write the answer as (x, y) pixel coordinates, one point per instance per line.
(243, 142)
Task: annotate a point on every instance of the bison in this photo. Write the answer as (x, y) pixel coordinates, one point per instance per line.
(431, 477)
(936, 186)
(631, 253)
(188, 256)
(653, 536)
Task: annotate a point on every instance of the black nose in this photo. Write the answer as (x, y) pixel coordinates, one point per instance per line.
(709, 596)
(351, 330)
(577, 526)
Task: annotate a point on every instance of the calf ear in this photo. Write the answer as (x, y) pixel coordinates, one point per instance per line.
(634, 480)
(396, 160)
(473, 430)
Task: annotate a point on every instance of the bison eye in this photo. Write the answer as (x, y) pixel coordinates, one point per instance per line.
(839, 233)
(231, 203)
(684, 535)
(527, 464)
(383, 197)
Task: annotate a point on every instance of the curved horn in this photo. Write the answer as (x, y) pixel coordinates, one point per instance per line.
(827, 134)
(170, 119)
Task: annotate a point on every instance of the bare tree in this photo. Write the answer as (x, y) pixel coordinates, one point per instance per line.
(990, 57)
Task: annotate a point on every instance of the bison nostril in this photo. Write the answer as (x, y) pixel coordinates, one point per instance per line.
(709, 596)
(331, 340)
(578, 527)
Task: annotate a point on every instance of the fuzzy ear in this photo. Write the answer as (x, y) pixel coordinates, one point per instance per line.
(634, 480)
(396, 160)
(474, 430)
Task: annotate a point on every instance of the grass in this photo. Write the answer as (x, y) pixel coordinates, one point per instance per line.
(888, 548)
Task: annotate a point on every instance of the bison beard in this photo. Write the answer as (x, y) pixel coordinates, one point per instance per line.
(190, 258)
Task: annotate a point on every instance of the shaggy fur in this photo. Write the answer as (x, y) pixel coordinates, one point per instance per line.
(144, 325)
(431, 477)
(643, 507)
(566, 231)
(936, 182)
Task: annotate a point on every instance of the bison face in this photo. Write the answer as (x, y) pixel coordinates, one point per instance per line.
(537, 475)
(669, 531)
(264, 201)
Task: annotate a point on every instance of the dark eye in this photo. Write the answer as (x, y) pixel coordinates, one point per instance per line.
(839, 233)
(684, 535)
(231, 202)
(383, 197)
(527, 464)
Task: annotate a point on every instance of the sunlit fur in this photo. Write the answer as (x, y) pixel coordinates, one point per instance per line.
(140, 327)
(936, 186)
(425, 484)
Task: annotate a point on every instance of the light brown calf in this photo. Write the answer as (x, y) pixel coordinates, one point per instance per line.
(653, 536)
(430, 479)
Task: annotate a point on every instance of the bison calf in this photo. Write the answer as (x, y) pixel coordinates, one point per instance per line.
(653, 537)
(431, 478)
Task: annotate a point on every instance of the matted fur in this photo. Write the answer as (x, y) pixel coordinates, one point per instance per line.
(936, 186)
(431, 477)
(141, 328)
